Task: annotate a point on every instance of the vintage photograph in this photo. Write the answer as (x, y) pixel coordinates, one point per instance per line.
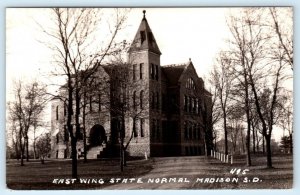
(149, 98)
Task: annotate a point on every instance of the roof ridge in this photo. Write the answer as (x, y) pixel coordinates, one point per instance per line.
(176, 65)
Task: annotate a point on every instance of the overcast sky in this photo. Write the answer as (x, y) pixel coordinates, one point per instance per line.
(196, 33)
(181, 33)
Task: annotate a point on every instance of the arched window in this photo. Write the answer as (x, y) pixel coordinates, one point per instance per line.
(142, 99)
(56, 112)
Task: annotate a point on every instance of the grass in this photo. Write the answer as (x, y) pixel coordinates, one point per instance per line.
(34, 175)
(37, 176)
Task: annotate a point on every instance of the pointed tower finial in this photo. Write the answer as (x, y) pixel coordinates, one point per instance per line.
(190, 59)
(144, 12)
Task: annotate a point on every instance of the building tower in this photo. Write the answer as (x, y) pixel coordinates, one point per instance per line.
(144, 56)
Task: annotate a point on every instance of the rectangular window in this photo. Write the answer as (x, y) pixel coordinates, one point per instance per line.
(141, 71)
(142, 121)
(152, 71)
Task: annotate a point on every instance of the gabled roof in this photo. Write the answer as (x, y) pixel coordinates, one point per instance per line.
(144, 38)
(173, 72)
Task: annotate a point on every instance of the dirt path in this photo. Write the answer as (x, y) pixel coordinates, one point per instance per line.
(175, 173)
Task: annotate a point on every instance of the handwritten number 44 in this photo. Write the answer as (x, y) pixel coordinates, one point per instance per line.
(239, 171)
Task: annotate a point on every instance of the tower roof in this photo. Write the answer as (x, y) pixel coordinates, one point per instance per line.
(144, 38)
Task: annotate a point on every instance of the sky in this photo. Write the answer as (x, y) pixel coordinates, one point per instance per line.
(181, 33)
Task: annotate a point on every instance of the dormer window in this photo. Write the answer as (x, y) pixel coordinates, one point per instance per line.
(143, 36)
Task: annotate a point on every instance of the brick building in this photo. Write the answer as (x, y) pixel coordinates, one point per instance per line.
(172, 100)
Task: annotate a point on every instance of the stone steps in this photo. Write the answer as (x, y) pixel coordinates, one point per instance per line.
(94, 152)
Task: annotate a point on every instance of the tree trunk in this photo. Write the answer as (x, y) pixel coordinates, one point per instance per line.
(124, 158)
(34, 149)
(225, 133)
(291, 143)
(253, 138)
(263, 145)
(257, 142)
(21, 148)
(269, 152)
(74, 157)
(42, 160)
(243, 144)
(27, 148)
(84, 129)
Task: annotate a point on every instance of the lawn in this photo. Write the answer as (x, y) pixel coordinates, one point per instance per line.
(37, 176)
(34, 175)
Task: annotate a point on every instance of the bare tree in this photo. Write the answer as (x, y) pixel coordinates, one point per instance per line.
(43, 146)
(262, 66)
(77, 56)
(223, 80)
(281, 20)
(286, 117)
(128, 99)
(29, 102)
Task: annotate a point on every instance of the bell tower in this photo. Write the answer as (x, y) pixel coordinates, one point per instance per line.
(144, 51)
(144, 57)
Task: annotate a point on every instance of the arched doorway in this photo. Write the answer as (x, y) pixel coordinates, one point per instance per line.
(97, 135)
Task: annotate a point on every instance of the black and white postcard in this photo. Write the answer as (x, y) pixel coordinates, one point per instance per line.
(149, 98)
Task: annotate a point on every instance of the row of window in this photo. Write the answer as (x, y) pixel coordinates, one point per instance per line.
(135, 75)
(190, 84)
(192, 131)
(141, 128)
(192, 105)
(154, 69)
